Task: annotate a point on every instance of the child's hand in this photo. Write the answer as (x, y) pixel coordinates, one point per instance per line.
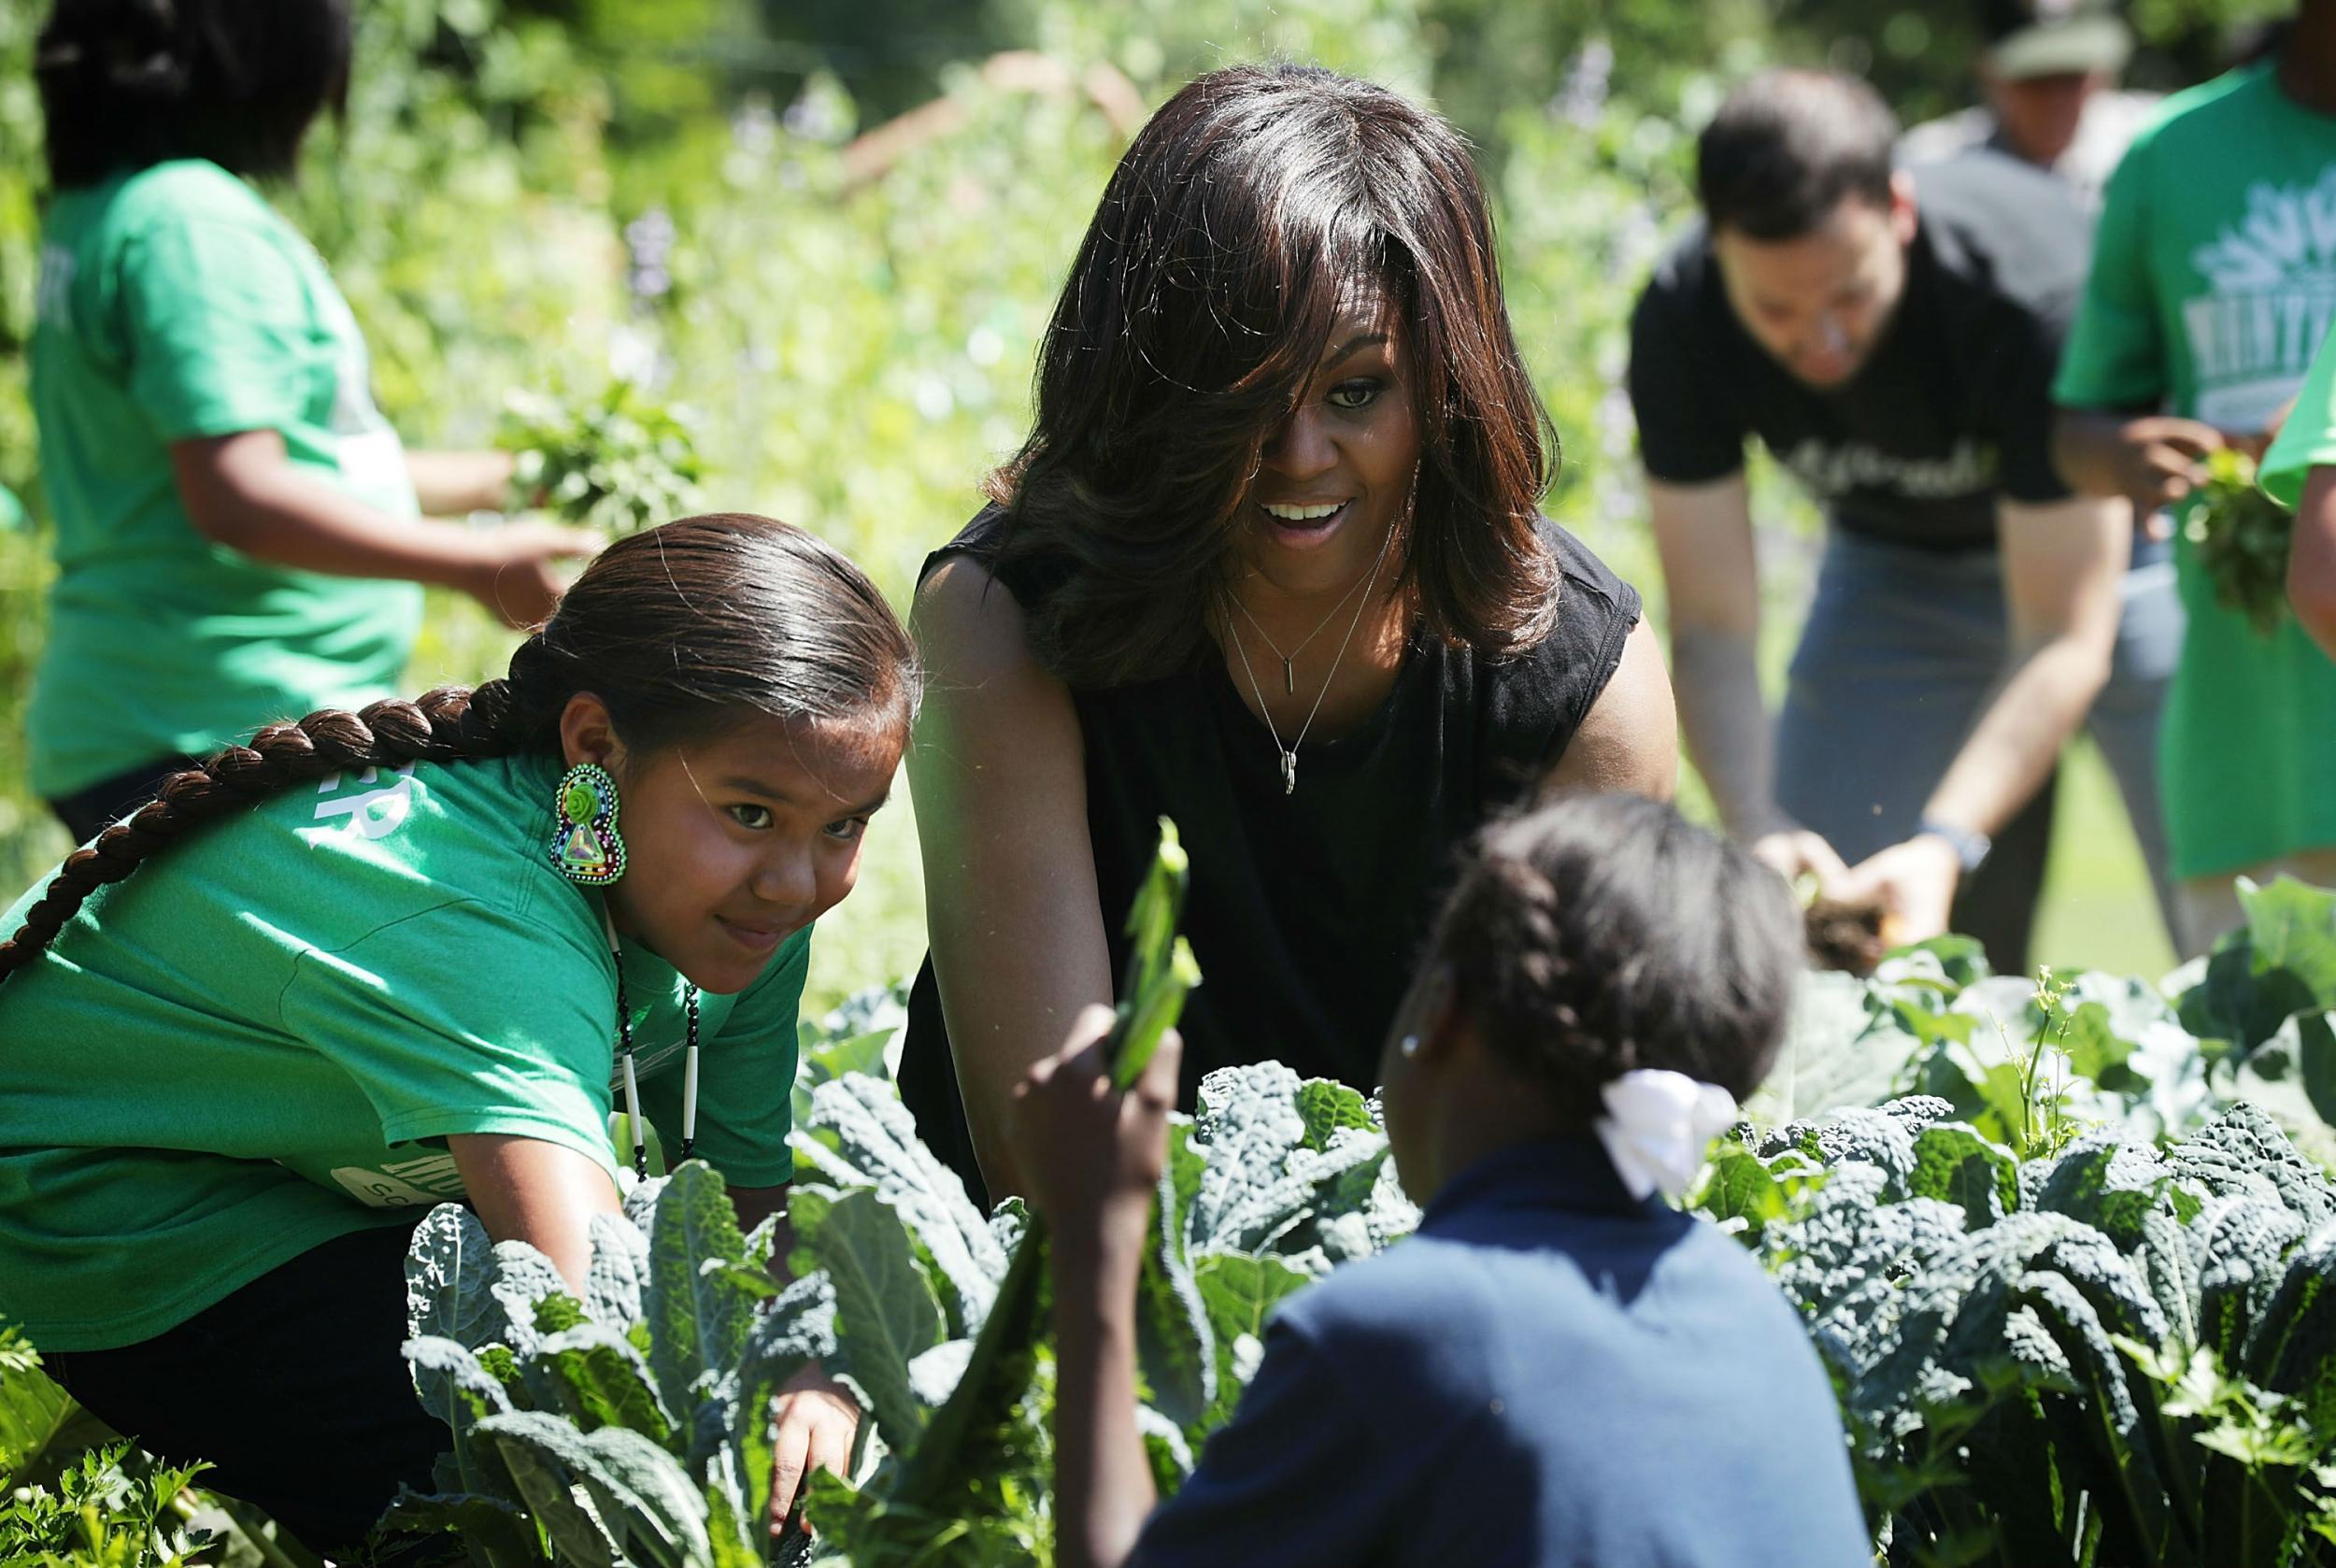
(817, 1420)
(1090, 1155)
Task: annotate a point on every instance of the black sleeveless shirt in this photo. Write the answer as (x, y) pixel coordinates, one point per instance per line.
(1306, 910)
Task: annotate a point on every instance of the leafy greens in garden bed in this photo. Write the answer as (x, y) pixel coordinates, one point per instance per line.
(2023, 1298)
(2110, 1355)
(2017, 1058)
(633, 1424)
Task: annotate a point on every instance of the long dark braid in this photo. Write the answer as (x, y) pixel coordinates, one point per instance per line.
(451, 721)
(673, 628)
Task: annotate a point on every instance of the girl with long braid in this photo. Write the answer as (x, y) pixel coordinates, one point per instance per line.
(376, 961)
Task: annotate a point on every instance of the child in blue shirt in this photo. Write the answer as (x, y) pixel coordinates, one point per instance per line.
(1559, 1368)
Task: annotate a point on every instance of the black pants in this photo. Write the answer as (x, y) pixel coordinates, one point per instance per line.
(109, 800)
(293, 1388)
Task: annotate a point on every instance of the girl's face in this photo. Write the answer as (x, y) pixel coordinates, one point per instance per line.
(1337, 474)
(734, 843)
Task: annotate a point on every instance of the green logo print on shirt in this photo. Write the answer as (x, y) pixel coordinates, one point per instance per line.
(374, 812)
(422, 1183)
(2271, 277)
(373, 808)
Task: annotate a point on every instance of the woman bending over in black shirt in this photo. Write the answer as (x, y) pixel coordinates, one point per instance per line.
(1271, 564)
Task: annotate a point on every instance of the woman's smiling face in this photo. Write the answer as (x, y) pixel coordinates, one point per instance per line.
(736, 841)
(1337, 474)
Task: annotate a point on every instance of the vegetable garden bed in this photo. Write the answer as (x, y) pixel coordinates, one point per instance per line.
(2065, 1247)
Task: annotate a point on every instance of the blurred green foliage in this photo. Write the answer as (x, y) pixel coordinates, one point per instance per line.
(545, 194)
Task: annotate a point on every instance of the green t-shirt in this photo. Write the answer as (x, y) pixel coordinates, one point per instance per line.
(2308, 439)
(173, 302)
(261, 1040)
(2211, 288)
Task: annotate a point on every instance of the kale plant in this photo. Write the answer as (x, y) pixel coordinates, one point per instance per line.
(633, 1424)
(2111, 1355)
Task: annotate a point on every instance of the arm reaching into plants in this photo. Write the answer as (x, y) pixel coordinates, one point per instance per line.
(1091, 1156)
(449, 484)
(242, 491)
(818, 1417)
(1704, 534)
(1000, 784)
(2062, 564)
(542, 1194)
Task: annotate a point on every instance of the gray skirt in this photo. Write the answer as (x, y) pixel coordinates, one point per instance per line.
(1902, 651)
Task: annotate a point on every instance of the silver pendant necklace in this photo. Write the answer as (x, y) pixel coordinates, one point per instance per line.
(1289, 753)
(1289, 680)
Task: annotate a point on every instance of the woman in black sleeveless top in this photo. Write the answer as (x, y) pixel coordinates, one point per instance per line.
(1271, 564)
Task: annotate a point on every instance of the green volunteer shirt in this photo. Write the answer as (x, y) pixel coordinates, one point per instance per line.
(2308, 439)
(2211, 288)
(173, 302)
(260, 1041)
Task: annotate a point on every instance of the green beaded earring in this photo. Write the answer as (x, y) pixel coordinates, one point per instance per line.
(585, 846)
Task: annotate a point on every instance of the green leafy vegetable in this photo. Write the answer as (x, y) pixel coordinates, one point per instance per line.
(620, 462)
(2242, 537)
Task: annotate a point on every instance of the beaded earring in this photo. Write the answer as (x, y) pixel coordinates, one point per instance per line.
(586, 847)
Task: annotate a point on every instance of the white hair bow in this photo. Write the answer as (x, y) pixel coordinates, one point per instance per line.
(1656, 1126)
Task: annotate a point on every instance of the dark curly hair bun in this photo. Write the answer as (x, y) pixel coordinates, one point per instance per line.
(1601, 933)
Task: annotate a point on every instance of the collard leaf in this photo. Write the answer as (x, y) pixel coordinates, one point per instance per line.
(797, 1328)
(577, 1536)
(820, 1059)
(1326, 1107)
(1839, 1051)
(523, 1278)
(489, 1525)
(454, 1385)
(762, 1244)
(619, 1271)
(463, 1390)
(996, 1379)
(859, 1135)
(34, 1410)
(885, 1315)
(2291, 929)
(936, 1374)
(1239, 1294)
(2316, 1046)
(699, 1319)
(1176, 1353)
(2097, 1049)
(2281, 962)
(449, 1269)
(1739, 1186)
(1963, 960)
(640, 1495)
(1954, 1164)
(601, 1381)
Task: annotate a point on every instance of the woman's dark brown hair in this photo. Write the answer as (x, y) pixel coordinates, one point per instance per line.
(679, 630)
(1199, 306)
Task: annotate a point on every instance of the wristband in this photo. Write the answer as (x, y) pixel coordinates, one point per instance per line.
(1970, 845)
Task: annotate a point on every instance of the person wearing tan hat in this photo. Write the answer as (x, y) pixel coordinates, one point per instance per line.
(2048, 77)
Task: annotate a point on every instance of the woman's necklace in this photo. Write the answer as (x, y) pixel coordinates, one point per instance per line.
(638, 1128)
(1289, 753)
(1289, 681)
